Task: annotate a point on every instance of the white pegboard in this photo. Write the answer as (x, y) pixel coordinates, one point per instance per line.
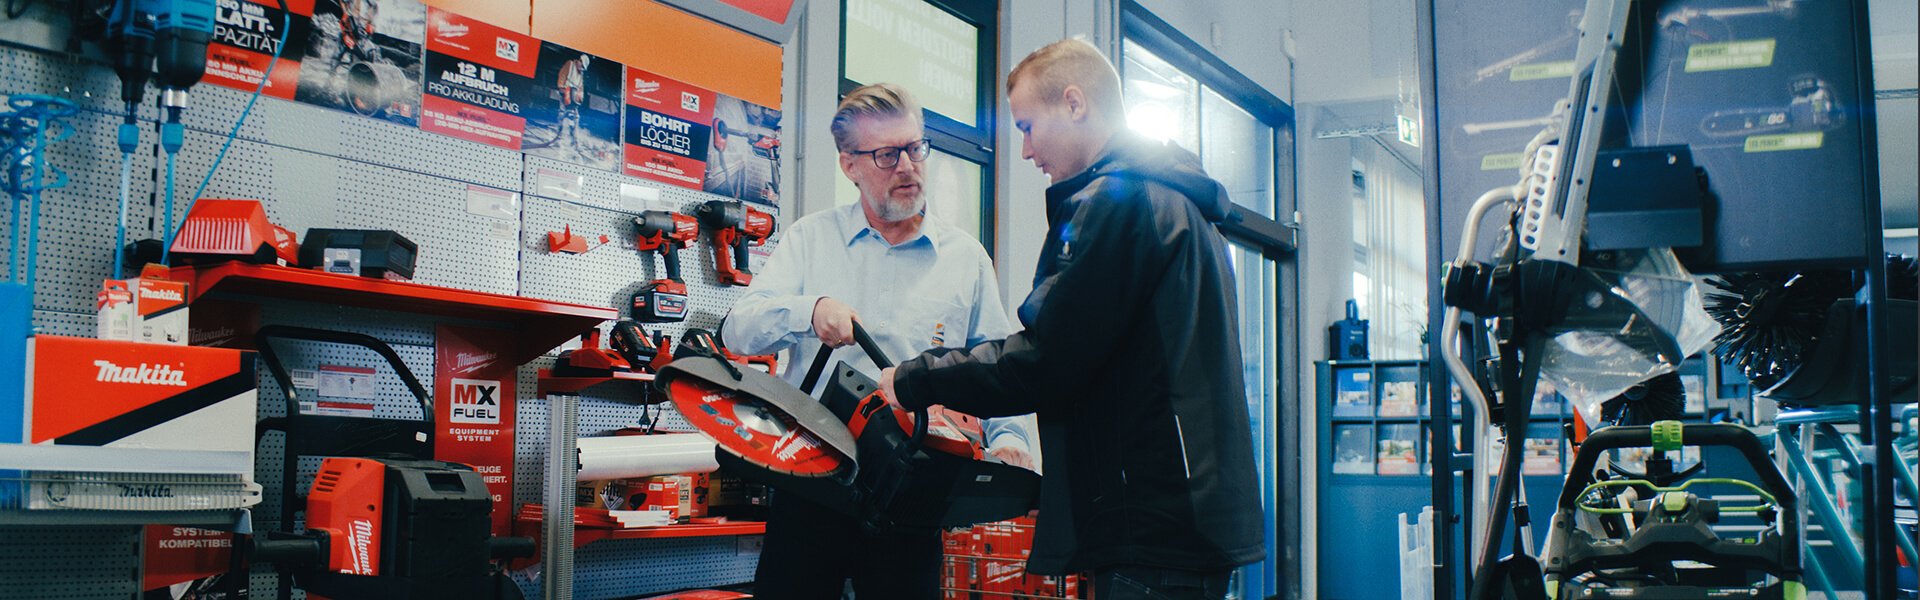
(64, 323)
(69, 563)
(458, 249)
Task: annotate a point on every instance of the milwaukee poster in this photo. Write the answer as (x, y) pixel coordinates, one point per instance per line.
(743, 154)
(668, 123)
(573, 112)
(363, 56)
(479, 78)
(245, 34)
(473, 409)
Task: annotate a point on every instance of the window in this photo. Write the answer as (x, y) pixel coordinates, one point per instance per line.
(1389, 250)
(942, 51)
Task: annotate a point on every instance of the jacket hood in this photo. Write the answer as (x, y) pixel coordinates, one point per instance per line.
(1132, 156)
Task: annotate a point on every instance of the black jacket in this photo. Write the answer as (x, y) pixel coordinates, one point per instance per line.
(1130, 357)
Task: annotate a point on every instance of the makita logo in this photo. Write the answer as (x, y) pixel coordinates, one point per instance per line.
(360, 539)
(145, 374)
(170, 295)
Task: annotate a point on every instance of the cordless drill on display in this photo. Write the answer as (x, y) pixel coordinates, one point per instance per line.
(736, 227)
(663, 300)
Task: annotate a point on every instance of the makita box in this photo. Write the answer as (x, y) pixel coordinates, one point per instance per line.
(145, 309)
(87, 392)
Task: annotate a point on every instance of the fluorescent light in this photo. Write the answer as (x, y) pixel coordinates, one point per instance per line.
(1902, 233)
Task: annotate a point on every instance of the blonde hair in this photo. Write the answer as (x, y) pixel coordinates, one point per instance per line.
(879, 100)
(1071, 62)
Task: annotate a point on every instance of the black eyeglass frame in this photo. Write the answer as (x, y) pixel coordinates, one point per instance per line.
(918, 151)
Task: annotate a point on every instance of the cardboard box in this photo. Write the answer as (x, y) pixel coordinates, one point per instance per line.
(1002, 576)
(655, 493)
(91, 392)
(147, 309)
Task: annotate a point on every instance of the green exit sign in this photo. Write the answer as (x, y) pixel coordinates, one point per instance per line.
(1409, 131)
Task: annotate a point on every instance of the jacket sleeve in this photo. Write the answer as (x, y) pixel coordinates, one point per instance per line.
(1114, 257)
(775, 312)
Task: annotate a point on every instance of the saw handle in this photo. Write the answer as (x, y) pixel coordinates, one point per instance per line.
(872, 348)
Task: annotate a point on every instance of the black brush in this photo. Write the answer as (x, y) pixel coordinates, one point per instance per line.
(1769, 320)
(1662, 398)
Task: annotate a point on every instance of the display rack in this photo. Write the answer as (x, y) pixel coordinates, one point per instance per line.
(549, 384)
(539, 325)
(529, 526)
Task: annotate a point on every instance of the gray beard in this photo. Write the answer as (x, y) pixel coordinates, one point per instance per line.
(892, 212)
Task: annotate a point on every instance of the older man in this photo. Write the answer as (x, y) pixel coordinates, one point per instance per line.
(1130, 356)
(914, 283)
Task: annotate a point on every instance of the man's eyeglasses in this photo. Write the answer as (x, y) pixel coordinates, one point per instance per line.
(889, 157)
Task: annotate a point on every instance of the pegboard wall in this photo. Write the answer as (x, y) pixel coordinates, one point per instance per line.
(316, 167)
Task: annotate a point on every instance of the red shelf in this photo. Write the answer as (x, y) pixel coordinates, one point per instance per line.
(548, 384)
(529, 526)
(541, 324)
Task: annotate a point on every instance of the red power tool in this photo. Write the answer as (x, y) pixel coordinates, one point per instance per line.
(663, 300)
(736, 227)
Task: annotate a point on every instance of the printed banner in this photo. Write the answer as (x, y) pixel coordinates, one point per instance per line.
(473, 409)
(188, 562)
(743, 154)
(363, 56)
(479, 78)
(245, 34)
(573, 112)
(667, 128)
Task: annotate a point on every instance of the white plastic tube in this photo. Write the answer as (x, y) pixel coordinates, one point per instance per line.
(635, 456)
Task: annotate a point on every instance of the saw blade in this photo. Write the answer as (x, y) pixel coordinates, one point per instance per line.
(754, 430)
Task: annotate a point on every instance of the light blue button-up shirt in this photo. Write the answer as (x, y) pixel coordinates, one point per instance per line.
(933, 290)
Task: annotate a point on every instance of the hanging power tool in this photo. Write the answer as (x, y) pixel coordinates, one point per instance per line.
(663, 300)
(736, 227)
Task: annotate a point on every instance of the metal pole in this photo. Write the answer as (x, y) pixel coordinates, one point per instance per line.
(563, 464)
(1439, 397)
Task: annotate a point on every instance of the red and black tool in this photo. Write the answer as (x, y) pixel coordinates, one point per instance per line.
(663, 300)
(704, 342)
(642, 352)
(736, 227)
(888, 476)
(591, 359)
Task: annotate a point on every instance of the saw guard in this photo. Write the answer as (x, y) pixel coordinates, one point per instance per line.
(759, 418)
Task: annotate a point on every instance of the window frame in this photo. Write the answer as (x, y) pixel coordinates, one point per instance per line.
(1141, 26)
(972, 143)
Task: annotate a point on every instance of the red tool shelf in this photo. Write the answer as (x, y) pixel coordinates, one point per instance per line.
(548, 384)
(527, 523)
(540, 324)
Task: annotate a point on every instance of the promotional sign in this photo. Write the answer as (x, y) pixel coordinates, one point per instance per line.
(667, 130)
(743, 154)
(363, 56)
(473, 409)
(245, 34)
(187, 562)
(573, 112)
(479, 78)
